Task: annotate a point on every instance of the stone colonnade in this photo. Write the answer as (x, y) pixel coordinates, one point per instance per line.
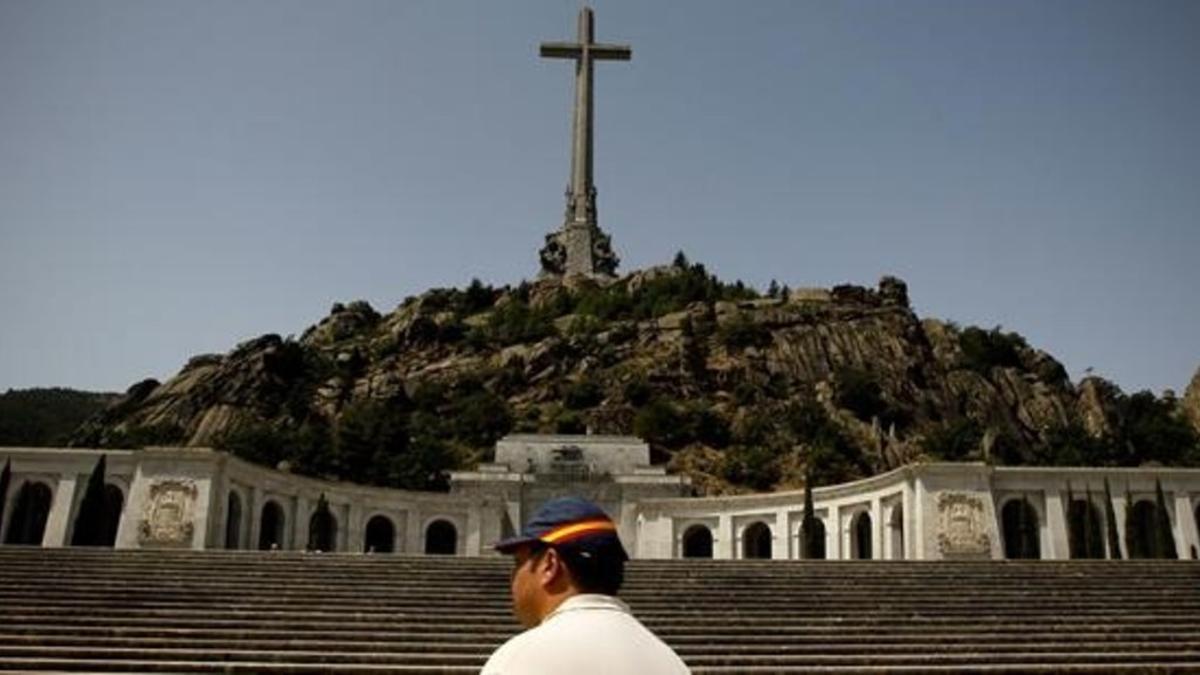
(199, 499)
(937, 511)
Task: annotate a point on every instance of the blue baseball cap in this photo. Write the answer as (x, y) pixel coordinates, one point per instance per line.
(572, 522)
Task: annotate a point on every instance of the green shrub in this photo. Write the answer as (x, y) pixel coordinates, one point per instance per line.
(742, 332)
(582, 394)
(984, 350)
(953, 441)
(753, 466)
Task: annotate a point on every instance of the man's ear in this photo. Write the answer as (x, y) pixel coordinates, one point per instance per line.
(551, 569)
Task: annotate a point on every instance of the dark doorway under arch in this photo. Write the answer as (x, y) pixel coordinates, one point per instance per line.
(697, 542)
(1019, 522)
(1141, 530)
(27, 525)
(381, 536)
(441, 538)
(860, 543)
(1085, 537)
(756, 542)
(271, 524)
(114, 504)
(233, 521)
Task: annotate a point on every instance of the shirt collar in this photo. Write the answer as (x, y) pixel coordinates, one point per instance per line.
(588, 601)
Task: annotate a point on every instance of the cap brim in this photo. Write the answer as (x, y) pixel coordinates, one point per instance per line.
(513, 543)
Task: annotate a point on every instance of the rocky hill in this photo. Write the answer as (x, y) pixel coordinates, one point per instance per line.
(740, 390)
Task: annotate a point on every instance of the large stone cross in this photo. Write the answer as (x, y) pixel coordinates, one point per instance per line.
(580, 247)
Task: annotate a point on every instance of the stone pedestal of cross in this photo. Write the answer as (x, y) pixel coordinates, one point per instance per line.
(579, 246)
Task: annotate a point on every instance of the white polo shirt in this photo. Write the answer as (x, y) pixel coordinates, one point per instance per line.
(586, 635)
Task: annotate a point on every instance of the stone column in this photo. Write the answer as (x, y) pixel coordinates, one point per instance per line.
(1055, 544)
(783, 537)
(878, 531)
(833, 534)
(355, 541)
(255, 505)
(724, 546)
(413, 536)
(58, 522)
(917, 537)
(908, 499)
(300, 515)
(472, 540)
(1185, 526)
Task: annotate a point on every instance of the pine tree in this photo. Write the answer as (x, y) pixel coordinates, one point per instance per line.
(1164, 538)
(1110, 515)
(93, 520)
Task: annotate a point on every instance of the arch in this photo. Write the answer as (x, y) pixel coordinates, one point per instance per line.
(322, 531)
(27, 524)
(756, 541)
(860, 536)
(813, 548)
(233, 521)
(896, 532)
(1021, 530)
(380, 536)
(697, 542)
(114, 504)
(441, 538)
(271, 527)
(1141, 530)
(1085, 538)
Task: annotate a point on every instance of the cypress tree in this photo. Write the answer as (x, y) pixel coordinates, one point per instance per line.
(1164, 538)
(320, 533)
(5, 477)
(1110, 515)
(92, 521)
(808, 526)
(1130, 529)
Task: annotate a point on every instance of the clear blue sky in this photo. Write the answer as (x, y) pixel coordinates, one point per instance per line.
(176, 177)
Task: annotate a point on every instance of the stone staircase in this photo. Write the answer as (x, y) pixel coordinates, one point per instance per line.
(143, 611)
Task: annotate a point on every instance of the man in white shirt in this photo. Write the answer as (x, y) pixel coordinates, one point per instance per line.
(568, 565)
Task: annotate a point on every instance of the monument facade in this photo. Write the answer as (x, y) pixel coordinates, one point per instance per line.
(201, 499)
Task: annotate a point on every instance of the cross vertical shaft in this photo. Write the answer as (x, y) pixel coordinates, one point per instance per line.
(580, 246)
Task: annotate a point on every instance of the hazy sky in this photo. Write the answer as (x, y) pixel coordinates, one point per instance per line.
(176, 177)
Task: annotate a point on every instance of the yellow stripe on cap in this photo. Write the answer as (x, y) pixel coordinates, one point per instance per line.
(577, 529)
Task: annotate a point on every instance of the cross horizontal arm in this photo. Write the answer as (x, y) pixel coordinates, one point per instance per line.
(561, 50)
(573, 50)
(610, 52)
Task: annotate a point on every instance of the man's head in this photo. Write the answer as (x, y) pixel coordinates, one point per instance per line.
(570, 546)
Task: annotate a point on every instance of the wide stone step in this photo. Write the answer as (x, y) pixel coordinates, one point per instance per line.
(717, 647)
(312, 657)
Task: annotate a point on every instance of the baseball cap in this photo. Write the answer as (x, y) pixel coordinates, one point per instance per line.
(572, 522)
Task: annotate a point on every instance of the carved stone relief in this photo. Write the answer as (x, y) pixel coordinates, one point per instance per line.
(167, 517)
(962, 526)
